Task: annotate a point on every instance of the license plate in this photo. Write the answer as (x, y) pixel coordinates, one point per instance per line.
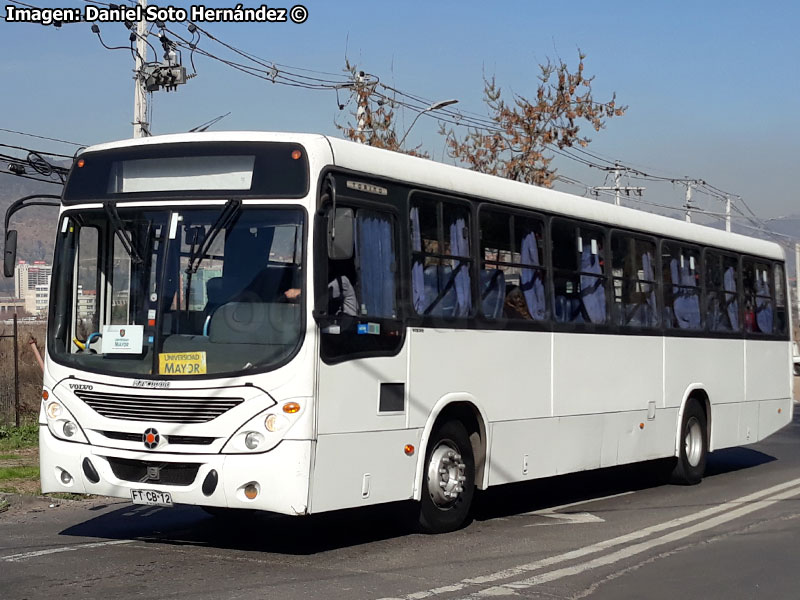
(151, 497)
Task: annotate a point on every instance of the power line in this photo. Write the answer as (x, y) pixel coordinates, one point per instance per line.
(41, 137)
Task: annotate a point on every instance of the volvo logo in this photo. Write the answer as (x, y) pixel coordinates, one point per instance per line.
(151, 438)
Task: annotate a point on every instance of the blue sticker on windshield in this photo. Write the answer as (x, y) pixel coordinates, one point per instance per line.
(362, 329)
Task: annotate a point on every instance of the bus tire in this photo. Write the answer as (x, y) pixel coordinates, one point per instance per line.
(448, 480)
(693, 446)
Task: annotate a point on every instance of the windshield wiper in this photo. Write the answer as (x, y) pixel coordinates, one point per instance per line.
(226, 217)
(122, 233)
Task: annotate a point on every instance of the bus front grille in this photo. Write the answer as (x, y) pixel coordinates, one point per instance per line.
(162, 409)
(171, 439)
(141, 471)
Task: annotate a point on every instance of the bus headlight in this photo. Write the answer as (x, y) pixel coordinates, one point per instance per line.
(253, 440)
(70, 429)
(275, 422)
(54, 410)
(264, 431)
(62, 424)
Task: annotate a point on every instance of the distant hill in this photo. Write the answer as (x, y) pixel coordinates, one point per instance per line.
(36, 225)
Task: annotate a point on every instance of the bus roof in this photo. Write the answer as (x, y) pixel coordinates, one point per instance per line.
(449, 178)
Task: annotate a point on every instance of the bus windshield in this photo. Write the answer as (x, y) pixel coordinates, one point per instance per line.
(178, 293)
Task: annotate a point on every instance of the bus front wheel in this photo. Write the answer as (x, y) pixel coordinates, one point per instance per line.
(693, 446)
(448, 480)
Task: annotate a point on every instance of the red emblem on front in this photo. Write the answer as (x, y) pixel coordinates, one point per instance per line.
(151, 438)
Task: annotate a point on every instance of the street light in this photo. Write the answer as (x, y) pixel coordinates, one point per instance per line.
(434, 106)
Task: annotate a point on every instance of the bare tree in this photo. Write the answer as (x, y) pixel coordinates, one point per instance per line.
(514, 145)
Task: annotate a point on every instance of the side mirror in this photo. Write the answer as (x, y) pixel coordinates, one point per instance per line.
(10, 256)
(341, 225)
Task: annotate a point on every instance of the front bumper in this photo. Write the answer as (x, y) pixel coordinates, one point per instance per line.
(281, 475)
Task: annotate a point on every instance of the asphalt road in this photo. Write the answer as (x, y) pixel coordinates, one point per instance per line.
(615, 533)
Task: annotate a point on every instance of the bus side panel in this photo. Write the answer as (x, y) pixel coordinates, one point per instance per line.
(769, 382)
(523, 450)
(605, 373)
(535, 448)
(360, 469)
(767, 370)
(632, 437)
(773, 414)
(715, 365)
(508, 372)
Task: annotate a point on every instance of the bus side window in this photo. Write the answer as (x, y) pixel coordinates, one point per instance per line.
(780, 300)
(440, 262)
(680, 267)
(578, 273)
(722, 305)
(634, 281)
(512, 275)
(376, 265)
(758, 304)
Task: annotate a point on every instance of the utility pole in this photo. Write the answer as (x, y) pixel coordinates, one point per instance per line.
(141, 127)
(688, 205)
(616, 188)
(728, 214)
(361, 112)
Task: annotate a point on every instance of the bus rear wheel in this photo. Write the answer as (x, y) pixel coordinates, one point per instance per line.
(693, 447)
(448, 480)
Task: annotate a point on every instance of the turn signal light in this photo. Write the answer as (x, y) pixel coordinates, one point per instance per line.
(296, 154)
(81, 163)
(45, 394)
(408, 449)
(250, 492)
(291, 407)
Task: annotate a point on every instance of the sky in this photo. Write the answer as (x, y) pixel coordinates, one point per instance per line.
(712, 87)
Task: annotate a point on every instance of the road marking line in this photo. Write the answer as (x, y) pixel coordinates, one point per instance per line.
(608, 559)
(27, 555)
(566, 519)
(600, 546)
(553, 509)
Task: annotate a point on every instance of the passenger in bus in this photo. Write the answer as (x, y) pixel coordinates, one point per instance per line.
(342, 297)
(515, 306)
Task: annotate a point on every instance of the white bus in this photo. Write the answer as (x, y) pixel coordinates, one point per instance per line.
(299, 324)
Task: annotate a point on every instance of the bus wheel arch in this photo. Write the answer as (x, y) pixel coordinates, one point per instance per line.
(693, 440)
(463, 408)
(453, 413)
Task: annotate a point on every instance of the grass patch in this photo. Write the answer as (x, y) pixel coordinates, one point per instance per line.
(8, 457)
(16, 438)
(67, 496)
(4, 505)
(7, 473)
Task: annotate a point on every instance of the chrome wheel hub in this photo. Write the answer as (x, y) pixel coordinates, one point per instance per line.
(446, 474)
(693, 444)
